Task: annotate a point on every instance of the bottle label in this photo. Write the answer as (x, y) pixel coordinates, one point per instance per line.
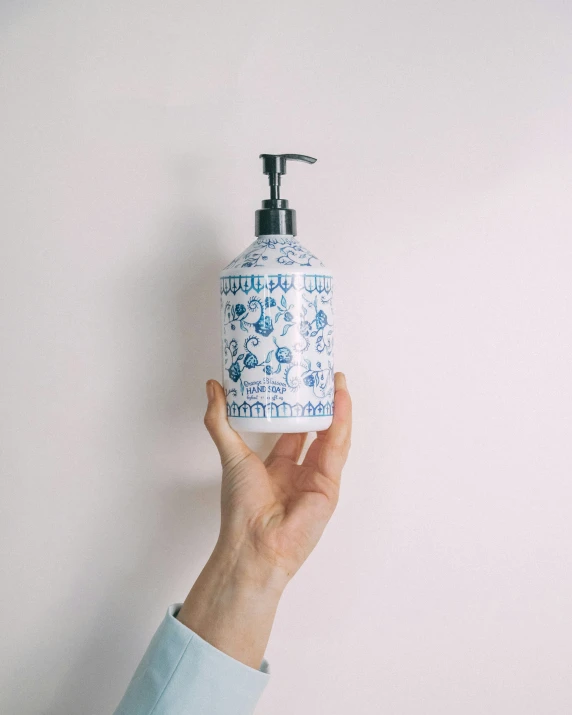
(278, 344)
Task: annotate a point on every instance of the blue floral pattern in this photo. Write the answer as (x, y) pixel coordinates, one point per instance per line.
(286, 250)
(278, 344)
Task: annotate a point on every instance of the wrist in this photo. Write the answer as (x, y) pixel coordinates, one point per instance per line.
(247, 570)
(232, 605)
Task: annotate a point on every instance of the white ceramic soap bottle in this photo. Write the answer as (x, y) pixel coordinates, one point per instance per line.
(277, 324)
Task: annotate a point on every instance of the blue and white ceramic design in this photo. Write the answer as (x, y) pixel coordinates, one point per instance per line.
(278, 339)
(284, 250)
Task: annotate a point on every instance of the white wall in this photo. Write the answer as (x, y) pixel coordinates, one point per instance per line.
(441, 199)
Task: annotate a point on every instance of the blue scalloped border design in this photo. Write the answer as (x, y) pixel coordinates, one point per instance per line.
(284, 409)
(285, 281)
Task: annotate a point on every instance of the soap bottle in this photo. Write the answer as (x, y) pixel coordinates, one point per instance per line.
(277, 324)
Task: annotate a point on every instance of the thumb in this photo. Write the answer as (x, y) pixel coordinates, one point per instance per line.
(229, 443)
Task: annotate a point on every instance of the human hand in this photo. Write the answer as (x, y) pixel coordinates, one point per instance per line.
(273, 513)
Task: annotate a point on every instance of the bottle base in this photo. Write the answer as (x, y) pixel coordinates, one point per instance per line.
(280, 425)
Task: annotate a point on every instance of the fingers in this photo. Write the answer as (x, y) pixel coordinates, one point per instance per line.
(338, 434)
(329, 451)
(288, 446)
(229, 443)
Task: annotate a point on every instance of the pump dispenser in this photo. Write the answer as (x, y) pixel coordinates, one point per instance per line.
(277, 323)
(275, 218)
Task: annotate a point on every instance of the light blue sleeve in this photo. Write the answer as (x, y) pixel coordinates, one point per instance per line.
(181, 674)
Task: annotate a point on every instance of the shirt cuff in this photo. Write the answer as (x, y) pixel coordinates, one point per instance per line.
(182, 673)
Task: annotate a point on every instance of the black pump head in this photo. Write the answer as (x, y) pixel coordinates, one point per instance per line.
(275, 218)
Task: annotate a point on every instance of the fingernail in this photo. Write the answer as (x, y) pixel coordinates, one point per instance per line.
(210, 390)
(342, 379)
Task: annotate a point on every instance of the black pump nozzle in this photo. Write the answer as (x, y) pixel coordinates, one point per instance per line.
(275, 165)
(275, 218)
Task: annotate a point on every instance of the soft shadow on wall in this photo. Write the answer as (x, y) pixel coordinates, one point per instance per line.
(169, 510)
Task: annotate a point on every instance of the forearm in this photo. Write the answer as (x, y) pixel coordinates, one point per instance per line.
(232, 605)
